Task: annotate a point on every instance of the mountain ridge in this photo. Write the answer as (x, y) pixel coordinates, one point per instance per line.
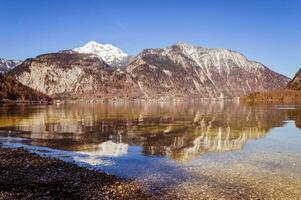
(181, 70)
(204, 72)
(73, 75)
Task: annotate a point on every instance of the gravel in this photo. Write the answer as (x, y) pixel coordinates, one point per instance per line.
(25, 175)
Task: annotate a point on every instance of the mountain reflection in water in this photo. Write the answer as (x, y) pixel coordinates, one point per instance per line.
(179, 131)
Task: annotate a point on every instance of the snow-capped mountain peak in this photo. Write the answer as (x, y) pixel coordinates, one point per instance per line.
(107, 52)
(184, 45)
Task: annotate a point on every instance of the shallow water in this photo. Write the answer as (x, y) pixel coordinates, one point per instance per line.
(186, 150)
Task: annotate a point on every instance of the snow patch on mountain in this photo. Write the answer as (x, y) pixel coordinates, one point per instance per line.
(186, 70)
(222, 59)
(107, 52)
(7, 64)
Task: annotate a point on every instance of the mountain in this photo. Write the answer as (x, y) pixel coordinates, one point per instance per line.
(291, 94)
(112, 55)
(295, 83)
(11, 89)
(6, 65)
(178, 71)
(74, 75)
(184, 70)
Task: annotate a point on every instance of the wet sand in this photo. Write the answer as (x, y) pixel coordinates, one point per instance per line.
(28, 176)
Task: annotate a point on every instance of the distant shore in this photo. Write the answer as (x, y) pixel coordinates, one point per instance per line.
(284, 96)
(121, 100)
(5, 101)
(25, 175)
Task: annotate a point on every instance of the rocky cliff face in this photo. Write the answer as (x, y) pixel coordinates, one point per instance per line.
(183, 70)
(6, 65)
(295, 83)
(11, 89)
(74, 75)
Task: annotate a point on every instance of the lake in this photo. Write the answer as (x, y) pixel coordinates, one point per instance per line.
(214, 150)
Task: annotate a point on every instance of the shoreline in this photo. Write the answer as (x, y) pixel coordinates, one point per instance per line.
(25, 175)
(121, 100)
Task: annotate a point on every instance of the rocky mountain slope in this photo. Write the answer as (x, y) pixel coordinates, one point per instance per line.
(295, 83)
(110, 54)
(6, 65)
(11, 89)
(74, 75)
(183, 70)
(291, 94)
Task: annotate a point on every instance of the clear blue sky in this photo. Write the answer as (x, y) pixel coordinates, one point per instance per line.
(268, 31)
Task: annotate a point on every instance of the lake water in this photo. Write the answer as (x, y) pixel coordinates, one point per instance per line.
(195, 150)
